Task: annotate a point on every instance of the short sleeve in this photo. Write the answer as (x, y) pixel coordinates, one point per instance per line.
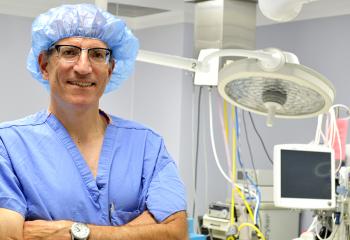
(166, 193)
(11, 196)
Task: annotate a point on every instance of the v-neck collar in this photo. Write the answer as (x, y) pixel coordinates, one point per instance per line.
(94, 186)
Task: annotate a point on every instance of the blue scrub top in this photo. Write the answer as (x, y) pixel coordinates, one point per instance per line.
(44, 176)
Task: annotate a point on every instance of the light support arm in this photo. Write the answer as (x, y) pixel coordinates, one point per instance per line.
(258, 54)
(188, 64)
(271, 59)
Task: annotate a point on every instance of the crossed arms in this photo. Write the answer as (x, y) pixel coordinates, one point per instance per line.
(14, 227)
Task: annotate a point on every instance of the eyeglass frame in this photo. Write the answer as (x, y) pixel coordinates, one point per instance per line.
(57, 47)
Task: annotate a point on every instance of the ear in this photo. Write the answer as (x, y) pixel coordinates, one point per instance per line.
(43, 61)
(111, 68)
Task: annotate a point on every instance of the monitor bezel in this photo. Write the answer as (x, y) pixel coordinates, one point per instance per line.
(301, 203)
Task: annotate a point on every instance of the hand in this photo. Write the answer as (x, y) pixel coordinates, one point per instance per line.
(46, 230)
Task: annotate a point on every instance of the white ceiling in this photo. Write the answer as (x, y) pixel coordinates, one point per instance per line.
(179, 11)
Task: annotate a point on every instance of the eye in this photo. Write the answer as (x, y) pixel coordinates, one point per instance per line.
(69, 52)
(98, 54)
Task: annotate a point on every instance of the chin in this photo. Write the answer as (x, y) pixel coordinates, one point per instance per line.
(83, 101)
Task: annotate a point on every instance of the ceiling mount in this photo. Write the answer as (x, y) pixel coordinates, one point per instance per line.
(132, 11)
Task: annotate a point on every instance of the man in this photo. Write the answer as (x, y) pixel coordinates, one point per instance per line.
(73, 171)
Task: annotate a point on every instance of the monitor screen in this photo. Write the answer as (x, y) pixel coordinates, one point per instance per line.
(304, 176)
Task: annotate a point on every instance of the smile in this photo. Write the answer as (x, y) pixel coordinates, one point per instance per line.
(82, 84)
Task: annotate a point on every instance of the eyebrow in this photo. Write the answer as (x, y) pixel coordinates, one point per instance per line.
(76, 44)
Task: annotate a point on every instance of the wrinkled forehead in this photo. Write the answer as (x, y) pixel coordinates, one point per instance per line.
(82, 42)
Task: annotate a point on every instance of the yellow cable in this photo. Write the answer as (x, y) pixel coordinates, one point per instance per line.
(232, 217)
(246, 204)
(226, 121)
(234, 151)
(234, 142)
(234, 145)
(260, 234)
(232, 212)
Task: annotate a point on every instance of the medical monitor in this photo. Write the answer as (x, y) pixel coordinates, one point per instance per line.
(304, 176)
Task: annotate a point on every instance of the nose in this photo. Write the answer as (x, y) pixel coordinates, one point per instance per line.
(83, 65)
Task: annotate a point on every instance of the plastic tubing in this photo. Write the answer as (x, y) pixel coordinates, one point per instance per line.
(251, 226)
(246, 204)
(214, 148)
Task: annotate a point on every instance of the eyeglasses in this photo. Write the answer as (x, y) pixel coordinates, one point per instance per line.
(70, 53)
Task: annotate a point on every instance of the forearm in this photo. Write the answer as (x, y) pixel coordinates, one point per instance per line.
(143, 227)
(145, 232)
(145, 218)
(11, 225)
(9, 233)
(173, 228)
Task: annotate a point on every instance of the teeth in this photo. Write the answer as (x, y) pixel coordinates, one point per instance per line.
(82, 84)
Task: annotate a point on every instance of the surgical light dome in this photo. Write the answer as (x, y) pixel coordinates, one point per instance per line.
(292, 91)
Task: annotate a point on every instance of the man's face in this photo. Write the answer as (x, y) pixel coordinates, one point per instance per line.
(80, 83)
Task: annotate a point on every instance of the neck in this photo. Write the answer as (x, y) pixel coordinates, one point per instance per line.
(82, 124)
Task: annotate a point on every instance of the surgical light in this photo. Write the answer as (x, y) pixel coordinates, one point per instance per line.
(293, 91)
(268, 82)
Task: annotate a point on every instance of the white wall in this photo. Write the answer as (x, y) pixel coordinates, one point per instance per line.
(20, 95)
(158, 90)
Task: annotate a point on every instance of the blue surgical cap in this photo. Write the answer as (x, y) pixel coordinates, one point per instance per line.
(84, 20)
